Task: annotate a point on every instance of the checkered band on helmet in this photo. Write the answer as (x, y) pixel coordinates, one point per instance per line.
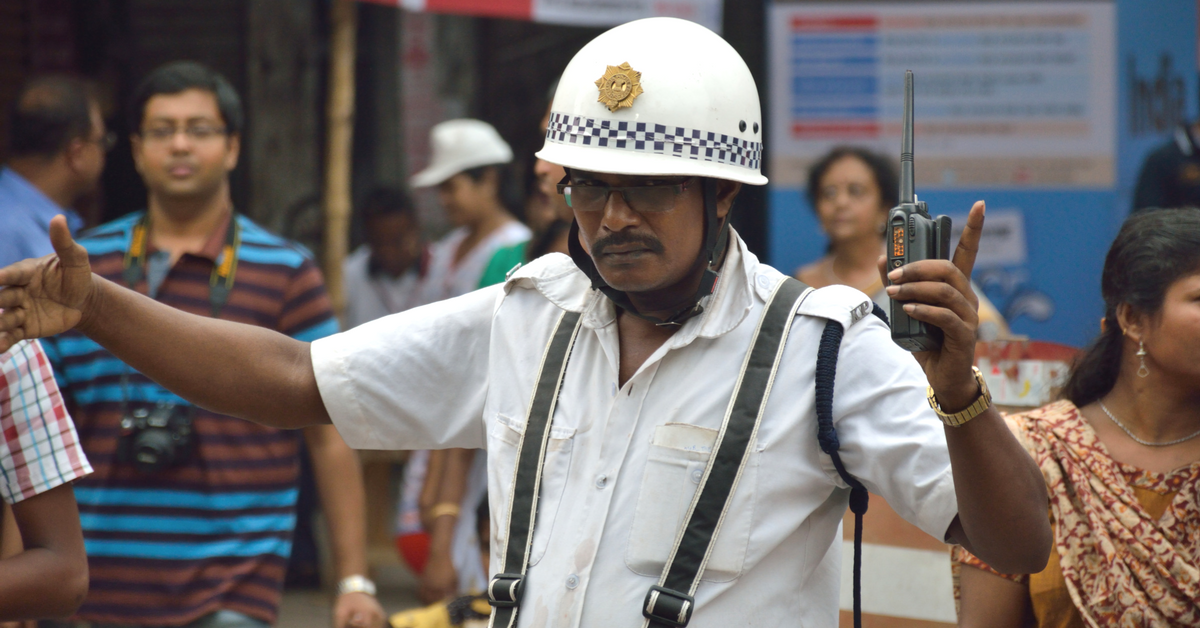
(658, 139)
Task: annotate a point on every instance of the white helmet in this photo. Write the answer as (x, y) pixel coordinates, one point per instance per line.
(460, 145)
(659, 96)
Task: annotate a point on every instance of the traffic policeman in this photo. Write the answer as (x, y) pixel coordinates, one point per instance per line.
(605, 384)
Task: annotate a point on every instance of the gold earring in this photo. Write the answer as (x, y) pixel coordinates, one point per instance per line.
(1141, 354)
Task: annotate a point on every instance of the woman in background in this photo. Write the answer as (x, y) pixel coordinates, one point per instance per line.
(1120, 454)
(851, 190)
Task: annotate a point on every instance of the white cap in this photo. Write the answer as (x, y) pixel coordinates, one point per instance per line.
(659, 96)
(460, 145)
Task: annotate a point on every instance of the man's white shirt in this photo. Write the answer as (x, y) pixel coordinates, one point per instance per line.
(624, 461)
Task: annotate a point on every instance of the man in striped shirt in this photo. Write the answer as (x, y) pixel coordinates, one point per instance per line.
(190, 523)
(39, 458)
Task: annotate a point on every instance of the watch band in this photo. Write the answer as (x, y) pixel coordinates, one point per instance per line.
(956, 419)
(356, 584)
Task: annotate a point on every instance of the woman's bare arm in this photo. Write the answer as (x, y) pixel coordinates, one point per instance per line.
(50, 577)
(989, 601)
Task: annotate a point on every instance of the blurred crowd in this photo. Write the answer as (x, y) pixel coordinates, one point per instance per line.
(188, 514)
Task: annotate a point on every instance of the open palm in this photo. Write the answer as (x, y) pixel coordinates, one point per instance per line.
(45, 296)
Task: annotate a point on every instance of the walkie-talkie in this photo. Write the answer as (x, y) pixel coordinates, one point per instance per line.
(913, 236)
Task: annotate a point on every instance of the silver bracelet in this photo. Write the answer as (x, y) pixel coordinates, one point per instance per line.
(356, 584)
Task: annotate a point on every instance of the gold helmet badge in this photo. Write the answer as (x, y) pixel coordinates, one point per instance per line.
(619, 86)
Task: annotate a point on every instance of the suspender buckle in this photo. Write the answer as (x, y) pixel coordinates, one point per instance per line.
(505, 589)
(668, 607)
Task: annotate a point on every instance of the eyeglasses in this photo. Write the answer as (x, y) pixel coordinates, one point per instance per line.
(649, 198)
(196, 132)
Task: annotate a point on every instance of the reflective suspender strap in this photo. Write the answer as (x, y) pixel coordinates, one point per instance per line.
(505, 589)
(670, 602)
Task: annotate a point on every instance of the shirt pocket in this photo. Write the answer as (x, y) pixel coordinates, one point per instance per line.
(675, 465)
(506, 435)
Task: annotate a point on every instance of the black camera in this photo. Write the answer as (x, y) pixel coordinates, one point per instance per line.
(156, 438)
(913, 236)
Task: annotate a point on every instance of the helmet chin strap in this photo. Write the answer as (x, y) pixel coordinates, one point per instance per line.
(716, 238)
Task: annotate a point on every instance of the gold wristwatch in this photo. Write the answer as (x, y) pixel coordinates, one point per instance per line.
(981, 403)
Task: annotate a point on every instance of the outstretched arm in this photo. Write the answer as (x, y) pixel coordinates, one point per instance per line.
(230, 368)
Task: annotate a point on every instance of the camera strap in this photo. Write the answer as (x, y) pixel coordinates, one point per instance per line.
(221, 279)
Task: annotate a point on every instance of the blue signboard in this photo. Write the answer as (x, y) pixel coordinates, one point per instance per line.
(1045, 110)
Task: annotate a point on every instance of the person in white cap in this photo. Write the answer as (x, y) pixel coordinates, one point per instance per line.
(467, 155)
(466, 168)
(648, 403)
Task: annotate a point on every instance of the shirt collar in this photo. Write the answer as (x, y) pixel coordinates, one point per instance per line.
(743, 282)
(215, 243)
(731, 300)
(723, 311)
(39, 206)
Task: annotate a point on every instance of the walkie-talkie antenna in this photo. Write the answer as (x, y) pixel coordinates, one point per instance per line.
(906, 143)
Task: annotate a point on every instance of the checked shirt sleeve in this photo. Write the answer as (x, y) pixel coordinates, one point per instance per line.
(39, 449)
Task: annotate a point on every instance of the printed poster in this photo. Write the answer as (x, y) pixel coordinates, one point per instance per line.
(1006, 94)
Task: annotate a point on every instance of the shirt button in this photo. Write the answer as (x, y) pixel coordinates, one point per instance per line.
(764, 281)
(697, 475)
(614, 389)
(601, 480)
(572, 581)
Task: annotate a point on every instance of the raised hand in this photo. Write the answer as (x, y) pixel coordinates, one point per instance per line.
(45, 296)
(939, 292)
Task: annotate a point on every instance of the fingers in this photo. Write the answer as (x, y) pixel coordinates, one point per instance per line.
(10, 338)
(968, 244)
(70, 253)
(957, 331)
(936, 271)
(12, 297)
(937, 294)
(12, 318)
(19, 274)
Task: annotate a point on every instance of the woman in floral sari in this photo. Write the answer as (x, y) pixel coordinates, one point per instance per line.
(1120, 454)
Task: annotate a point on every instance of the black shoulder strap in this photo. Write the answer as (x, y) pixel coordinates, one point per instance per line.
(505, 589)
(671, 602)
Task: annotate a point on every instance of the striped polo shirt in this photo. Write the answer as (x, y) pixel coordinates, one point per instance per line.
(214, 532)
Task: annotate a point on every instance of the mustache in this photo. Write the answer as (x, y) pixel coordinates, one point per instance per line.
(621, 238)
